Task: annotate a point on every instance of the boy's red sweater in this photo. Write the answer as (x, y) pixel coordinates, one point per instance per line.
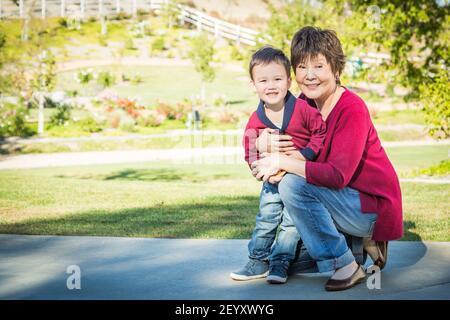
(300, 120)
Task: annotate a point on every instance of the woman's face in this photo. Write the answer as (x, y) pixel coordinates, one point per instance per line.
(315, 78)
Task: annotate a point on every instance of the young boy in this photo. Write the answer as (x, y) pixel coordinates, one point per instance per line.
(279, 110)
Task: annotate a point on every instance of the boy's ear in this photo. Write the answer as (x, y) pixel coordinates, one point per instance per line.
(289, 83)
(252, 85)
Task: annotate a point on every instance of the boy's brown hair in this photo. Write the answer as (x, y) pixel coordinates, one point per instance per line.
(308, 42)
(266, 55)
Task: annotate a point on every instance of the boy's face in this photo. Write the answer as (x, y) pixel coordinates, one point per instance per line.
(271, 83)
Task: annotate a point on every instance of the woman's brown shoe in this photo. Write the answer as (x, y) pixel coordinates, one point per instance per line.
(336, 285)
(377, 250)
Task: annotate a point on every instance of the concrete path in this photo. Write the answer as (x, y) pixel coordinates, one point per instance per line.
(195, 155)
(34, 267)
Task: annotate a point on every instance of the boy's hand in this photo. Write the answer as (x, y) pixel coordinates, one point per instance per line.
(277, 177)
(270, 141)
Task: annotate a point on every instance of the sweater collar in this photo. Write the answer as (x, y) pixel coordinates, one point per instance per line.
(289, 105)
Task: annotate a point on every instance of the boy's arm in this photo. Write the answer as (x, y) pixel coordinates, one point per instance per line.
(317, 127)
(249, 142)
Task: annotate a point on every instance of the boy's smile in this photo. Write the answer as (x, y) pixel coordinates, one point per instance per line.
(271, 83)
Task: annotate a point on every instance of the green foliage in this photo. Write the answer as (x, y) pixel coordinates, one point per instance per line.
(441, 169)
(201, 54)
(409, 30)
(158, 44)
(106, 79)
(84, 76)
(129, 44)
(236, 53)
(435, 97)
(45, 75)
(89, 125)
(61, 115)
(13, 120)
(286, 20)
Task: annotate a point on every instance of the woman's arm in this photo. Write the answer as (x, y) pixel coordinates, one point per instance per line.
(345, 153)
(271, 163)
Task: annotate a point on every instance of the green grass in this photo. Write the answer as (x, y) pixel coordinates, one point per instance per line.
(167, 200)
(394, 117)
(172, 84)
(407, 160)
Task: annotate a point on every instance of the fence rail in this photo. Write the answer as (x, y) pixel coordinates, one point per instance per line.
(87, 8)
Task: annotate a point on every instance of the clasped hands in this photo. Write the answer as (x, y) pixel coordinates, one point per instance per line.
(274, 149)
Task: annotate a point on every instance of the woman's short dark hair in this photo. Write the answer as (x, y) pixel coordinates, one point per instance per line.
(266, 55)
(308, 42)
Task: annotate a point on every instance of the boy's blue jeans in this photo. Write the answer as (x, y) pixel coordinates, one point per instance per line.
(320, 215)
(265, 244)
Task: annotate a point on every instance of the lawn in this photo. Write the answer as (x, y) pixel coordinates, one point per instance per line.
(171, 84)
(176, 200)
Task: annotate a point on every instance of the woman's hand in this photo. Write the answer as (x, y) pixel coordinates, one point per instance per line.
(295, 154)
(267, 166)
(270, 141)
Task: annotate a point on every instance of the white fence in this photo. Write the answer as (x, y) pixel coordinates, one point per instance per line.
(86, 8)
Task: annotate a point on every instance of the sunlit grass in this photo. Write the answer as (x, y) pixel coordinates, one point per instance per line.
(168, 200)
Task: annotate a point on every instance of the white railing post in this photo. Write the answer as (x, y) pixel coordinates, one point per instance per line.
(134, 8)
(216, 28)
(82, 8)
(1, 11)
(43, 3)
(238, 39)
(63, 8)
(118, 6)
(100, 8)
(21, 9)
(199, 21)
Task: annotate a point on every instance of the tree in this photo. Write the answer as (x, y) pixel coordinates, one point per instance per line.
(417, 36)
(201, 54)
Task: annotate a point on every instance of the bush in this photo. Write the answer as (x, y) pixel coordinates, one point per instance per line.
(236, 54)
(61, 116)
(158, 44)
(435, 97)
(89, 125)
(62, 22)
(129, 44)
(106, 79)
(173, 112)
(13, 120)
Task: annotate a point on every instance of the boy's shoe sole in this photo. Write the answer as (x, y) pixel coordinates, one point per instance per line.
(241, 277)
(276, 279)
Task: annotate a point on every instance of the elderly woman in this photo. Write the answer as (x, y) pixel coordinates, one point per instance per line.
(352, 186)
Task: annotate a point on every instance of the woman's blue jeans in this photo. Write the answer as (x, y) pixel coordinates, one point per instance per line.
(265, 244)
(320, 215)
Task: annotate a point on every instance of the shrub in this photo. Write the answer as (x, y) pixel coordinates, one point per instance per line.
(129, 44)
(13, 120)
(435, 97)
(158, 44)
(61, 116)
(173, 112)
(89, 125)
(106, 79)
(62, 22)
